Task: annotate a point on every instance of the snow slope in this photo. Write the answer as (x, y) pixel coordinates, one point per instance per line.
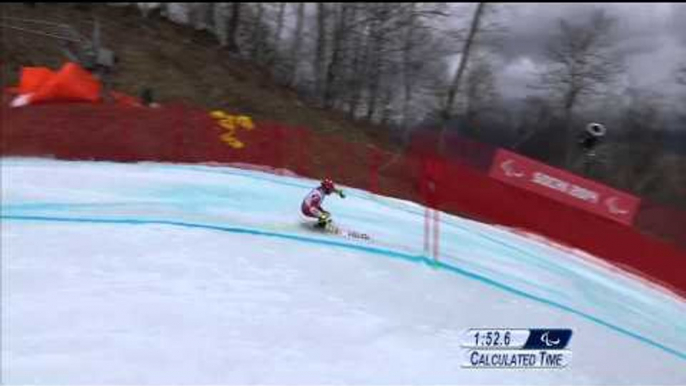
(158, 274)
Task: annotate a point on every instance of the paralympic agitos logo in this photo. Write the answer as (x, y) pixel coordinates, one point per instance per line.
(548, 339)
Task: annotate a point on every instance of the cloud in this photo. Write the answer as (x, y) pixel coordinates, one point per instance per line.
(677, 23)
(652, 36)
(516, 76)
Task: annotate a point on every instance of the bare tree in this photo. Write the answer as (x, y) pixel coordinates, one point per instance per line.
(582, 59)
(279, 24)
(358, 52)
(296, 44)
(321, 49)
(582, 62)
(199, 15)
(384, 53)
(464, 57)
(372, 60)
(333, 68)
(681, 75)
(417, 49)
(234, 23)
(635, 160)
(257, 34)
(219, 14)
(408, 47)
(681, 80)
(480, 91)
(376, 47)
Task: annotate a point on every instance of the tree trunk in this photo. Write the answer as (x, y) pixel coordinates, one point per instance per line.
(232, 45)
(333, 67)
(219, 16)
(408, 76)
(376, 63)
(568, 137)
(356, 75)
(452, 91)
(279, 25)
(297, 44)
(321, 49)
(257, 40)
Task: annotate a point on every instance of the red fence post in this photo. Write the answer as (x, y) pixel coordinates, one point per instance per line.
(374, 157)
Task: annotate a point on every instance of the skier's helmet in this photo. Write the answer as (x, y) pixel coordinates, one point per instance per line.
(328, 186)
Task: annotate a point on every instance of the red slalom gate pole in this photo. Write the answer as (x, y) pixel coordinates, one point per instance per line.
(374, 165)
(427, 229)
(436, 233)
(432, 233)
(431, 215)
(424, 194)
(430, 179)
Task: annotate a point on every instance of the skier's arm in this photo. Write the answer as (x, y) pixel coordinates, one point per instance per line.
(316, 202)
(322, 210)
(340, 193)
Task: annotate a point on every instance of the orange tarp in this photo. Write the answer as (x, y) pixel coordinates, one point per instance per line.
(71, 84)
(32, 78)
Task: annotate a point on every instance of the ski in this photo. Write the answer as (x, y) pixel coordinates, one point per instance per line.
(336, 230)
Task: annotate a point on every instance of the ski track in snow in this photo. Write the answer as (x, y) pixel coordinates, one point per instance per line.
(160, 273)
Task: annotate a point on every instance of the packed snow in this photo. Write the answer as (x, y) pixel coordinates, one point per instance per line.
(153, 273)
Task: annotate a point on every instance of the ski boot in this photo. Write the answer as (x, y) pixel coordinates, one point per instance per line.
(323, 220)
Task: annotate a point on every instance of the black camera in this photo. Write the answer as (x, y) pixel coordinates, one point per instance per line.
(589, 138)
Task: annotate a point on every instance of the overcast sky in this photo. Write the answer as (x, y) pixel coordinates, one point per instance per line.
(653, 35)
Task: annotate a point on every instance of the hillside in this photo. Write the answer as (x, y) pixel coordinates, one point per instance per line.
(176, 62)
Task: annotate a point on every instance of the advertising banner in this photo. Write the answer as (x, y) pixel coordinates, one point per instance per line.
(563, 186)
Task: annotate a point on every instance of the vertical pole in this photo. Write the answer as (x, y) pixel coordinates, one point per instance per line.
(374, 165)
(427, 230)
(436, 234)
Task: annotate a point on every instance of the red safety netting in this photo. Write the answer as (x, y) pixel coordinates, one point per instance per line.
(458, 182)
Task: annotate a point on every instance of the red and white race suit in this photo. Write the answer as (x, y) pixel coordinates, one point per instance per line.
(312, 204)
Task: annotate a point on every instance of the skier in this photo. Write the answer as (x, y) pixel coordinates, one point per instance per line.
(312, 204)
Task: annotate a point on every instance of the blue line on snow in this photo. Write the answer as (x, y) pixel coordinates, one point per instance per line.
(367, 249)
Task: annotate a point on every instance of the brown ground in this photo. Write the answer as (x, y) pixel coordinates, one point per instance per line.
(177, 62)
